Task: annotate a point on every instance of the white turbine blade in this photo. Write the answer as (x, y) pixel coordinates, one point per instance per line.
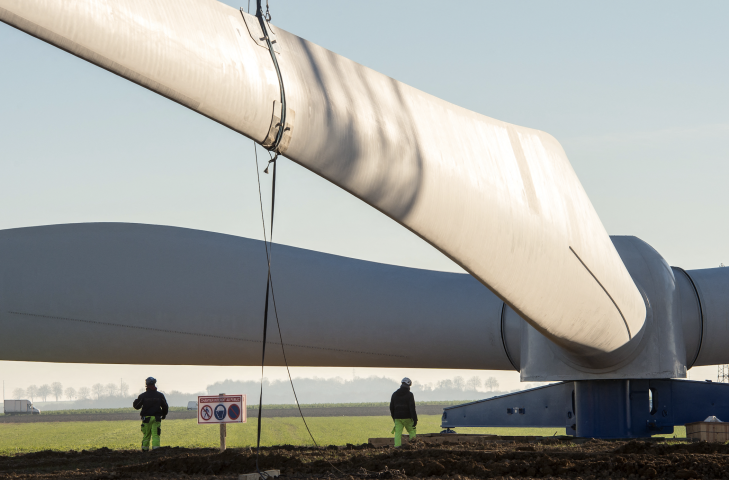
(148, 294)
(502, 201)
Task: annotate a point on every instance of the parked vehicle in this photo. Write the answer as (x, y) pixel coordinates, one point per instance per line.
(192, 405)
(19, 407)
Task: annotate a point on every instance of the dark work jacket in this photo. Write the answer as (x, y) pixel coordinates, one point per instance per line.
(152, 403)
(402, 405)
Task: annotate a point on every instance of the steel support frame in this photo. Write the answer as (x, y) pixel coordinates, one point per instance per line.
(631, 408)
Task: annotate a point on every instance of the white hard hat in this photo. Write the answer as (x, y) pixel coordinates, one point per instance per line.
(407, 381)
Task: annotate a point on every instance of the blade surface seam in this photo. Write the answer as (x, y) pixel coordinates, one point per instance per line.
(604, 290)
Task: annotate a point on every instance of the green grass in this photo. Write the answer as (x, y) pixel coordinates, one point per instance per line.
(678, 432)
(30, 437)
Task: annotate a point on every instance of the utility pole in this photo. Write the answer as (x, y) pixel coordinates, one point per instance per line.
(723, 375)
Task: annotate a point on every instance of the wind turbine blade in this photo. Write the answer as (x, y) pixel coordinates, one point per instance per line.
(501, 200)
(148, 294)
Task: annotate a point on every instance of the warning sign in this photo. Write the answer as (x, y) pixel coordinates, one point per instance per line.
(221, 409)
(206, 412)
(233, 412)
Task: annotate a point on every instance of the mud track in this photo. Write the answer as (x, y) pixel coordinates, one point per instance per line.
(556, 459)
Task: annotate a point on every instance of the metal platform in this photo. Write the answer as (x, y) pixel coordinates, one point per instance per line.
(598, 408)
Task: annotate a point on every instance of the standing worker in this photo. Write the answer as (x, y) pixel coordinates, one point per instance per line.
(154, 410)
(402, 410)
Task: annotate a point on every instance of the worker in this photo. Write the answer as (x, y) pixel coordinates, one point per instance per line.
(402, 410)
(154, 410)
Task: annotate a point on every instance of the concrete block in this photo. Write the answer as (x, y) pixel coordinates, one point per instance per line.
(256, 476)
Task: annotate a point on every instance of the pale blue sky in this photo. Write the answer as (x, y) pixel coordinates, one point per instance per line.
(636, 92)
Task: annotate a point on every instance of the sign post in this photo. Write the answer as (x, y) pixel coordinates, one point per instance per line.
(223, 434)
(223, 430)
(222, 409)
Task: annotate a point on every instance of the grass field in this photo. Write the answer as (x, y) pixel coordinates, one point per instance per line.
(30, 437)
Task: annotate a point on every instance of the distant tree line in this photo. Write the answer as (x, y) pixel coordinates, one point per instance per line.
(309, 390)
(473, 384)
(358, 389)
(56, 391)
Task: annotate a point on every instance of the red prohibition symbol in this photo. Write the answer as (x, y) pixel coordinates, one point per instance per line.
(206, 412)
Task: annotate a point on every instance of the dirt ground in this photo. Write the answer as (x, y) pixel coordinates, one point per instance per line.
(592, 459)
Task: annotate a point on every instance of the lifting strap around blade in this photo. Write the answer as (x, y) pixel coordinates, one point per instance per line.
(279, 134)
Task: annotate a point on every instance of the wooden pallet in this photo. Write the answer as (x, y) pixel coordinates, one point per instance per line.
(708, 431)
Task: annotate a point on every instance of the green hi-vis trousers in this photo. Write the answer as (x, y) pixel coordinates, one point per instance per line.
(151, 429)
(406, 423)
